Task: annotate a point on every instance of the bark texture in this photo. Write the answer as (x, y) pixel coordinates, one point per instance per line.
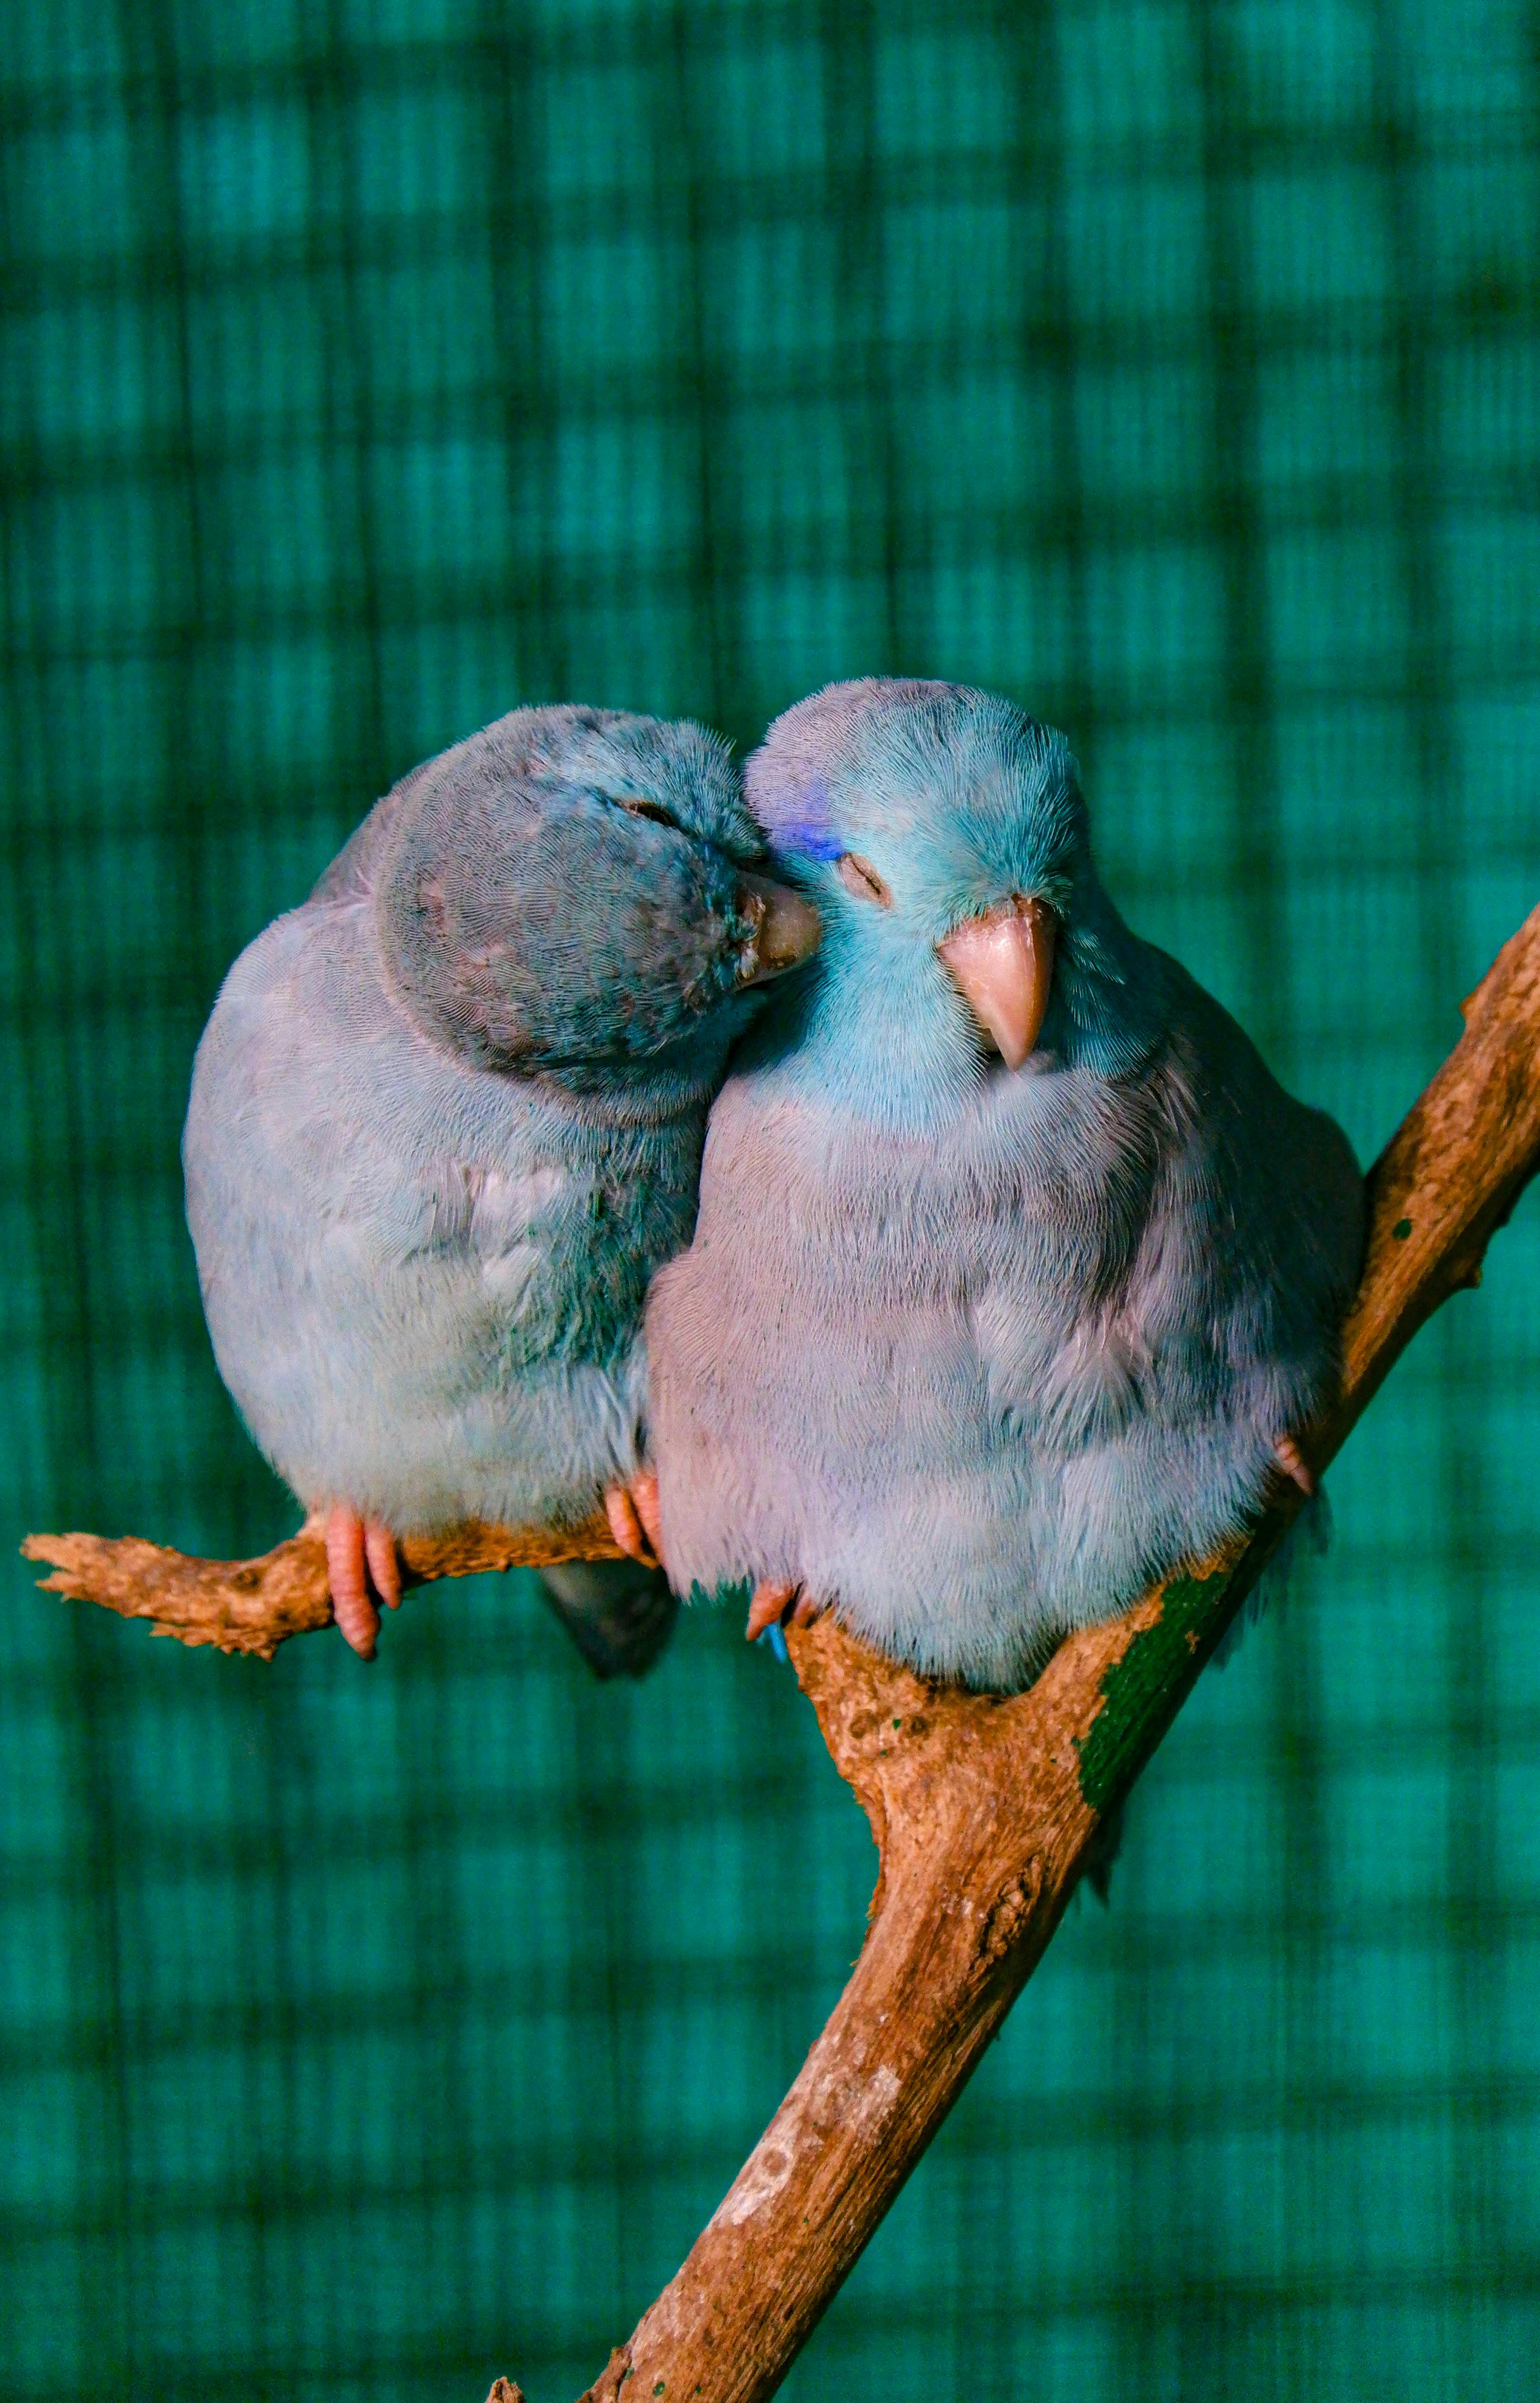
(255, 1605)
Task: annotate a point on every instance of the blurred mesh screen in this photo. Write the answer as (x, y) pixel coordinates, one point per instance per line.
(370, 368)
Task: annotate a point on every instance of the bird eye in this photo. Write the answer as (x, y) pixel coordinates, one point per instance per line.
(858, 876)
(651, 810)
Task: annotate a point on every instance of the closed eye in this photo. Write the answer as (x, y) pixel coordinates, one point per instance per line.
(858, 876)
(651, 810)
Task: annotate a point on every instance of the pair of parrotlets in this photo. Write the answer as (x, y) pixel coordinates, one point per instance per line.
(962, 1271)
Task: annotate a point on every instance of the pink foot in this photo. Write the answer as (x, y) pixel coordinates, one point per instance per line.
(635, 1522)
(357, 1551)
(778, 1604)
(1292, 1461)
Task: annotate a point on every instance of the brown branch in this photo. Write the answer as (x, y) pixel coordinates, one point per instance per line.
(253, 1605)
(984, 1809)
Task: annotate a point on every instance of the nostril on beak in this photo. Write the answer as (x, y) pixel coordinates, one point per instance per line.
(787, 929)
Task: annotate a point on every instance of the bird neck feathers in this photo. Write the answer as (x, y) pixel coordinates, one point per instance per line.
(885, 1031)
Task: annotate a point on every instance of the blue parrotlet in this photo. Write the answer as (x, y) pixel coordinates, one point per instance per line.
(1015, 1271)
(447, 1118)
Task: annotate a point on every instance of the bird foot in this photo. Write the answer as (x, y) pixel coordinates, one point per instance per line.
(778, 1604)
(635, 1522)
(360, 1552)
(1292, 1461)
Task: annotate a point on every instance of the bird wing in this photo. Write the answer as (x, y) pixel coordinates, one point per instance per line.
(342, 1173)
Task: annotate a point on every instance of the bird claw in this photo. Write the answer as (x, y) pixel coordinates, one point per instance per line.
(635, 1518)
(360, 1552)
(779, 1602)
(1292, 1461)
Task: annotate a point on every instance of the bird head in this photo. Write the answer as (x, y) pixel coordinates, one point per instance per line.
(582, 893)
(942, 834)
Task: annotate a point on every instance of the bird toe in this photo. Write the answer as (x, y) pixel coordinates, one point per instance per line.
(626, 1526)
(768, 1607)
(1292, 1461)
(644, 1497)
(383, 1566)
(351, 1606)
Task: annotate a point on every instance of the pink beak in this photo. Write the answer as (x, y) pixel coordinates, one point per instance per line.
(1002, 965)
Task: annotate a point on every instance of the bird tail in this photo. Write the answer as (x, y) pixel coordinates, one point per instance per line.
(1309, 1538)
(618, 1613)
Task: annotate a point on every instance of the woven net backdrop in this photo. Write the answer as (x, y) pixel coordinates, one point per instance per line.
(370, 368)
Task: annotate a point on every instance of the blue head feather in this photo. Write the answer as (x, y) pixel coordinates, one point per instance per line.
(958, 801)
(562, 894)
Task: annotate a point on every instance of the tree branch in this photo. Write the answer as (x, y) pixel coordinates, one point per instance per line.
(255, 1605)
(984, 1808)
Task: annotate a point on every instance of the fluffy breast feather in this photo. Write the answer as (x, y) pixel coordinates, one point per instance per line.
(970, 1384)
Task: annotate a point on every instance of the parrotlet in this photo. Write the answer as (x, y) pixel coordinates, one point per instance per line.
(445, 1121)
(1015, 1274)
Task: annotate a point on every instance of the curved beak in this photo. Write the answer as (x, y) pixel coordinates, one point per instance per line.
(1003, 966)
(787, 930)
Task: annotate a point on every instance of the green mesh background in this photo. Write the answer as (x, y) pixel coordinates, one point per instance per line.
(371, 366)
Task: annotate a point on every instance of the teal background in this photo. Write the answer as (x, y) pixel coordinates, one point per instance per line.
(368, 368)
